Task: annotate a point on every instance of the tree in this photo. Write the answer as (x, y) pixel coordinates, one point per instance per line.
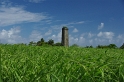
(58, 44)
(99, 46)
(31, 43)
(112, 46)
(51, 42)
(39, 43)
(75, 45)
(42, 40)
(122, 47)
(89, 46)
(107, 46)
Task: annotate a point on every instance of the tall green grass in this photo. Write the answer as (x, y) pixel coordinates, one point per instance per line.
(59, 64)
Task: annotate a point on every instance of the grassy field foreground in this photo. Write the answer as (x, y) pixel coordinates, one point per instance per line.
(22, 63)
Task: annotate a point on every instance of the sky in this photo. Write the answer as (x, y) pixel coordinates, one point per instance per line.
(90, 22)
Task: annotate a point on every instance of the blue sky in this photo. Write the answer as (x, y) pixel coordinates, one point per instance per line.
(90, 22)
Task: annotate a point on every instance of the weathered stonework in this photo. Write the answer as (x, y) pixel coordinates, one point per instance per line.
(65, 38)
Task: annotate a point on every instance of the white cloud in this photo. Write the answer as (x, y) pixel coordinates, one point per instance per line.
(48, 33)
(75, 30)
(100, 40)
(76, 40)
(120, 38)
(103, 38)
(36, 1)
(69, 25)
(82, 40)
(16, 15)
(56, 37)
(53, 36)
(101, 26)
(73, 23)
(80, 22)
(90, 35)
(35, 36)
(107, 35)
(5, 3)
(11, 36)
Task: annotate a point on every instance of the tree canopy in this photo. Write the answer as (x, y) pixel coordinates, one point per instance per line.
(122, 47)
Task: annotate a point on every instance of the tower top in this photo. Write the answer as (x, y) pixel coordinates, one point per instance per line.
(64, 28)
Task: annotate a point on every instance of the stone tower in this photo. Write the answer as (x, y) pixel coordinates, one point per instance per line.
(65, 39)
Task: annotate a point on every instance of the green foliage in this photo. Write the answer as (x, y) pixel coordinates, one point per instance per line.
(32, 43)
(39, 43)
(122, 47)
(51, 42)
(74, 45)
(43, 43)
(113, 46)
(23, 63)
(58, 44)
(89, 46)
(42, 40)
(101, 46)
(64, 27)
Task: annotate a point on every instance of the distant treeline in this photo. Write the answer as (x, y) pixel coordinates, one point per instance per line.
(50, 42)
(42, 42)
(112, 46)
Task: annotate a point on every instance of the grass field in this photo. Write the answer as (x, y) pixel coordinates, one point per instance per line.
(22, 63)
